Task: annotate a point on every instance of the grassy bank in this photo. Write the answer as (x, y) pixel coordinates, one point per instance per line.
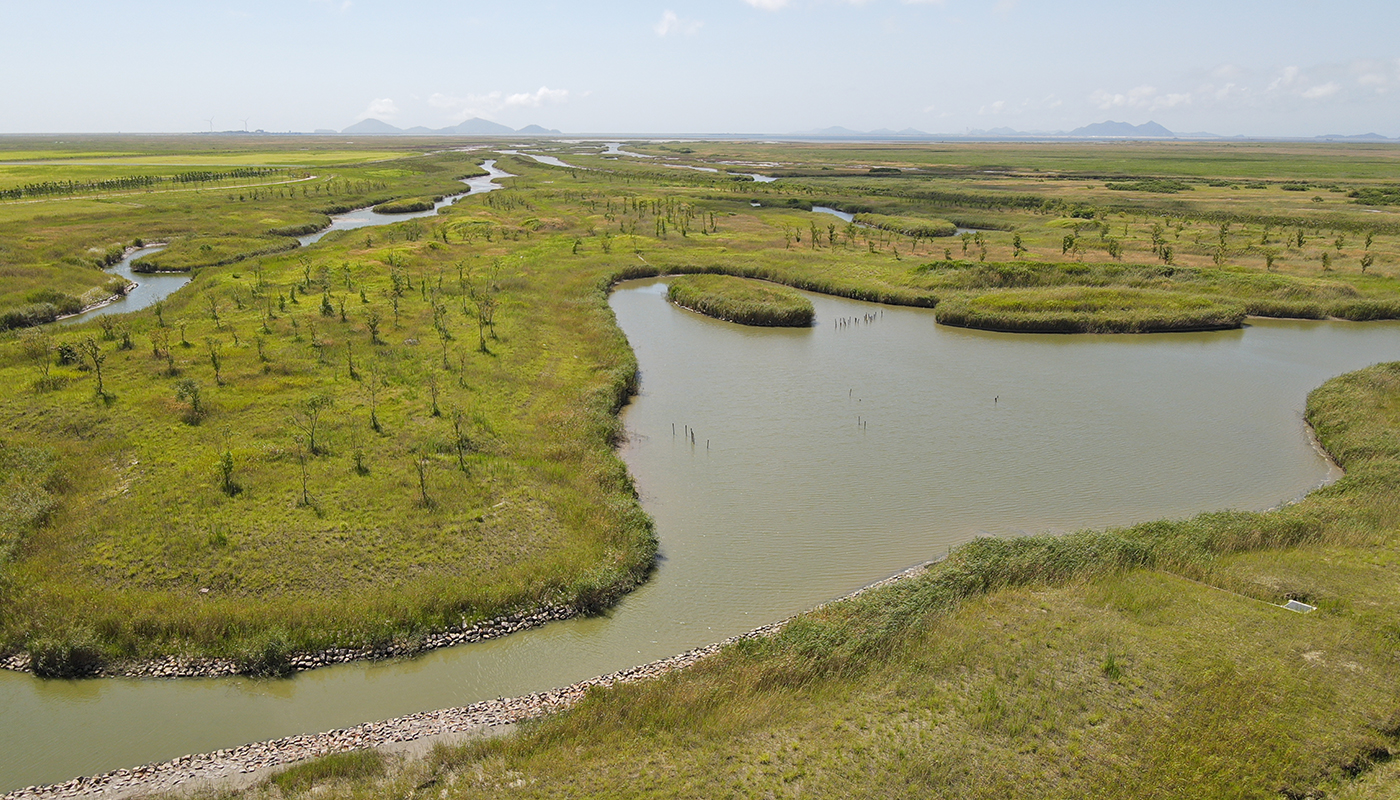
(743, 301)
(184, 255)
(908, 226)
(1151, 661)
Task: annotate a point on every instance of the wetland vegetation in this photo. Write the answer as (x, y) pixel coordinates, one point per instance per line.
(741, 300)
(401, 428)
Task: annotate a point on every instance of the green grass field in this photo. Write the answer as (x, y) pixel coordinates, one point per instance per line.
(401, 428)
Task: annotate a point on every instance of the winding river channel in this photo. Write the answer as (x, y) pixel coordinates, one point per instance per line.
(152, 287)
(824, 459)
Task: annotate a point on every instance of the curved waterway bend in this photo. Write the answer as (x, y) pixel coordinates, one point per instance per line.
(368, 217)
(787, 500)
(153, 287)
(150, 288)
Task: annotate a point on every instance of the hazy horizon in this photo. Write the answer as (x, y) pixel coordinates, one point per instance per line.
(1297, 68)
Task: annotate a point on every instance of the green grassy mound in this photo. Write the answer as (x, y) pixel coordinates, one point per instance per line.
(407, 205)
(739, 300)
(1089, 310)
(194, 252)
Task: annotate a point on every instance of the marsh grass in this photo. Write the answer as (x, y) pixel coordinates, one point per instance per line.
(920, 227)
(184, 255)
(406, 205)
(746, 302)
(530, 506)
(1089, 310)
(352, 765)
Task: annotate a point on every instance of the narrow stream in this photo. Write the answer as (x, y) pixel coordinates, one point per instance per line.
(846, 217)
(153, 287)
(368, 217)
(150, 288)
(824, 459)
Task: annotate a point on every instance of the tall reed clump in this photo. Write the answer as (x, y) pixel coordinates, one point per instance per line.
(743, 301)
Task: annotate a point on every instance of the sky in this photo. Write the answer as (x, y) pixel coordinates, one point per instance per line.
(1276, 68)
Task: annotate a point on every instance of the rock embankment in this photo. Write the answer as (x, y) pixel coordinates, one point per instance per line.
(191, 667)
(231, 764)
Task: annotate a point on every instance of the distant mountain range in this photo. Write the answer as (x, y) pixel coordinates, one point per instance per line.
(1098, 130)
(1109, 129)
(476, 126)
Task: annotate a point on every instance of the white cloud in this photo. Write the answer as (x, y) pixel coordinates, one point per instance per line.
(1139, 97)
(486, 105)
(537, 98)
(342, 5)
(993, 109)
(670, 23)
(1286, 78)
(769, 5)
(1325, 90)
(380, 108)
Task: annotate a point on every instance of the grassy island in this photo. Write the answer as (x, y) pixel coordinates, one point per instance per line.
(406, 206)
(746, 302)
(1089, 310)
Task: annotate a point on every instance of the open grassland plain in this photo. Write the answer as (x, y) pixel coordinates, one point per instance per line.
(408, 428)
(739, 300)
(1151, 661)
(65, 217)
(404, 429)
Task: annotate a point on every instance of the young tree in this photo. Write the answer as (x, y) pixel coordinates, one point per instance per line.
(228, 484)
(213, 311)
(373, 319)
(350, 360)
(433, 390)
(215, 358)
(372, 386)
(38, 348)
(461, 441)
(307, 419)
(420, 463)
(188, 391)
(91, 351)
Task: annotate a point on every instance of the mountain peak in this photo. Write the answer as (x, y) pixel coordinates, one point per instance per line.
(1147, 130)
(371, 125)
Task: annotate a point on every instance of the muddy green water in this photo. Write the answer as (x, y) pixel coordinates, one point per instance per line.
(824, 459)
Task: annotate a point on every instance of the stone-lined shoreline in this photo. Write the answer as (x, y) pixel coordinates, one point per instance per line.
(198, 667)
(231, 764)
